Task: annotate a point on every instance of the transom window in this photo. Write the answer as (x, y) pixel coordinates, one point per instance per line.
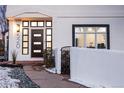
(91, 36)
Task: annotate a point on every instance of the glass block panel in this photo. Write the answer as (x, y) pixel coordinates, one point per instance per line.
(49, 24)
(33, 23)
(25, 51)
(25, 24)
(40, 23)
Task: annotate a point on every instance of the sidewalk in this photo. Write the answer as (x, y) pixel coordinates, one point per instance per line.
(48, 80)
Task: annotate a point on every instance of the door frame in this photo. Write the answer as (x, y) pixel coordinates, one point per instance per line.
(42, 41)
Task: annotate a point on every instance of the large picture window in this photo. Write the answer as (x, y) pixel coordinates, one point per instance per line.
(91, 36)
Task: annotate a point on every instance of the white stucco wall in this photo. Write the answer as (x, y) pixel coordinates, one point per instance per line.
(97, 68)
(62, 27)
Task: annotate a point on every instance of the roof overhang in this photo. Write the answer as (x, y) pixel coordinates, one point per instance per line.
(30, 16)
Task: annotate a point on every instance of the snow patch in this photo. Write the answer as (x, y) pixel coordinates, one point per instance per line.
(5, 80)
(52, 70)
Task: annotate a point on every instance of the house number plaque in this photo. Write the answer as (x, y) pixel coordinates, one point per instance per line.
(18, 40)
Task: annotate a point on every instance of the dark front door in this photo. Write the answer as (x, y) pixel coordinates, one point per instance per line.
(37, 43)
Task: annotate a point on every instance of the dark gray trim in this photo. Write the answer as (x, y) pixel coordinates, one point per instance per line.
(91, 25)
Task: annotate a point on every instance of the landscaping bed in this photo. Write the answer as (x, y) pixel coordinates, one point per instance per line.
(15, 77)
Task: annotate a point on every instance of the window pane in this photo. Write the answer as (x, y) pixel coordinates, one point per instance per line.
(33, 23)
(79, 40)
(90, 40)
(48, 38)
(25, 24)
(37, 51)
(25, 51)
(25, 31)
(48, 44)
(40, 23)
(90, 29)
(101, 40)
(25, 44)
(49, 31)
(79, 29)
(101, 29)
(37, 35)
(25, 38)
(37, 43)
(49, 24)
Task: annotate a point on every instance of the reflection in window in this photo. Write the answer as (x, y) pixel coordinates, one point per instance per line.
(91, 37)
(101, 40)
(79, 40)
(90, 40)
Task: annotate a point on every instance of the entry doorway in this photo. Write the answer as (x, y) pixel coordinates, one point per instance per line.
(37, 43)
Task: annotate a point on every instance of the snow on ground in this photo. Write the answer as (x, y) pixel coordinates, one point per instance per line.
(52, 70)
(5, 80)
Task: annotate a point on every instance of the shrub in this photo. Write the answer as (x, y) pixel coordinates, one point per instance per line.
(48, 59)
(14, 56)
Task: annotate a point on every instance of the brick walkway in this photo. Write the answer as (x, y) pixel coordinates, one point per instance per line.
(48, 80)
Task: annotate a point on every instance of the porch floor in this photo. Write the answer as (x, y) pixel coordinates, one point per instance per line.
(49, 80)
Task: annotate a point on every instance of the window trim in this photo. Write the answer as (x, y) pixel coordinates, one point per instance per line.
(23, 23)
(36, 23)
(25, 41)
(91, 25)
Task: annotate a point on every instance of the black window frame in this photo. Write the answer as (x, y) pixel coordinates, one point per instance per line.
(36, 23)
(91, 25)
(25, 41)
(23, 23)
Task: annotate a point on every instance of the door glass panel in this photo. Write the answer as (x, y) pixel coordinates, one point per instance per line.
(25, 44)
(90, 40)
(36, 51)
(25, 38)
(37, 35)
(79, 40)
(48, 38)
(37, 43)
(101, 40)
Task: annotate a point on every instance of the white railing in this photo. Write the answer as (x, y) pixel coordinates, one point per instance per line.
(97, 68)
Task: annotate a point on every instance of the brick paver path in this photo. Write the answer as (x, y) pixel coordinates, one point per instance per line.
(48, 80)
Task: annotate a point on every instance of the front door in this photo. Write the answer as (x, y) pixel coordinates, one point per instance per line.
(37, 43)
